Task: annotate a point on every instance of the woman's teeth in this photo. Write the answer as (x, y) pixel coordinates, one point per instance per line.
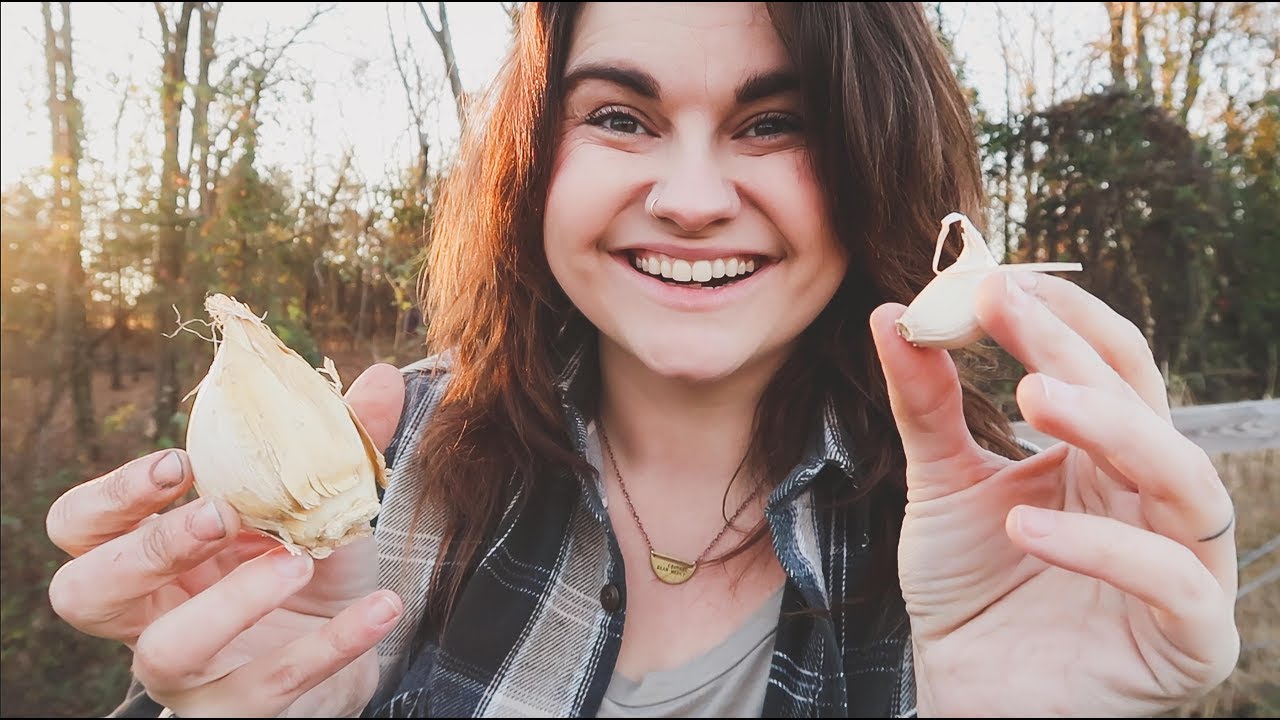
(676, 270)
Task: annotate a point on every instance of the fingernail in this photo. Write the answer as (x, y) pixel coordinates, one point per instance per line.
(383, 611)
(291, 566)
(1034, 522)
(1026, 280)
(1058, 392)
(1014, 289)
(167, 472)
(208, 524)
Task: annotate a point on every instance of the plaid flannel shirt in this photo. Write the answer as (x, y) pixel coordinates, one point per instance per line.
(537, 628)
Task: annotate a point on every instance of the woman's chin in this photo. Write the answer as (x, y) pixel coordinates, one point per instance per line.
(695, 365)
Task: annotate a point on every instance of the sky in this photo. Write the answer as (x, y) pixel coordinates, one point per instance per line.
(357, 100)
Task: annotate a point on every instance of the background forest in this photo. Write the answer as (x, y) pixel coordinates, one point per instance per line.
(1141, 139)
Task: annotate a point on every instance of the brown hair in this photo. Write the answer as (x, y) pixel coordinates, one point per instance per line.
(891, 140)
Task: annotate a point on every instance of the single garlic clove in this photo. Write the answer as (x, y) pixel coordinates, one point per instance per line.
(944, 314)
(276, 439)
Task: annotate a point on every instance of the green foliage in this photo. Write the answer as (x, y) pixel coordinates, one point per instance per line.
(1122, 187)
(293, 332)
(246, 246)
(120, 418)
(28, 276)
(1248, 308)
(179, 425)
(51, 654)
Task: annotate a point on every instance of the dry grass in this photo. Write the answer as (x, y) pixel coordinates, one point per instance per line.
(1253, 690)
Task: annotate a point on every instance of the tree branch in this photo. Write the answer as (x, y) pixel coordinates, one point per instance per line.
(270, 64)
(404, 78)
(163, 17)
(424, 145)
(445, 41)
(1201, 35)
(512, 9)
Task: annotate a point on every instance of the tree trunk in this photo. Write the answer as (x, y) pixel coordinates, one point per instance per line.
(1206, 26)
(1029, 173)
(74, 366)
(170, 249)
(1116, 12)
(1006, 190)
(202, 172)
(118, 324)
(1128, 268)
(364, 306)
(28, 451)
(445, 40)
(1142, 58)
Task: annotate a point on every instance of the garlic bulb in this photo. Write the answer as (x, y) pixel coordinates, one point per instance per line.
(275, 439)
(943, 314)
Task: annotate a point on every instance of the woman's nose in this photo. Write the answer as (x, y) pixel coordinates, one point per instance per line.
(694, 194)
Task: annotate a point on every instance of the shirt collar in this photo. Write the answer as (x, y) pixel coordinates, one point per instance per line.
(828, 444)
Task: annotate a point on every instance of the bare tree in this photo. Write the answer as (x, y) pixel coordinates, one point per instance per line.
(1020, 70)
(413, 95)
(445, 41)
(258, 68)
(171, 243)
(1118, 53)
(75, 368)
(1205, 25)
(114, 262)
(1179, 34)
(513, 9)
(1006, 190)
(319, 223)
(201, 141)
(1056, 54)
(1142, 58)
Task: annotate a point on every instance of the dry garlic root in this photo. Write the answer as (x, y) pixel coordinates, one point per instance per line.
(943, 314)
(275, 439)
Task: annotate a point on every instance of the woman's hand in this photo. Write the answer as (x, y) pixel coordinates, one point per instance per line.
(224, 622)
(1096, 578)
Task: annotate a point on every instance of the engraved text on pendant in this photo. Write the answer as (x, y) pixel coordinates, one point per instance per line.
(670, 570)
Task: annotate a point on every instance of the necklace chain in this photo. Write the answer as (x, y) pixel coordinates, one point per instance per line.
(604, 437)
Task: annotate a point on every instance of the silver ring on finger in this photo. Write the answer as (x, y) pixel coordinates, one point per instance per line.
(1230, 523)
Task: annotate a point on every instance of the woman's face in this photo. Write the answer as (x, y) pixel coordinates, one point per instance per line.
(683, 218)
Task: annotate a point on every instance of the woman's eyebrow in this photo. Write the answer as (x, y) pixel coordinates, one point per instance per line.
(766, 84)
(759, 86)
(635, 80)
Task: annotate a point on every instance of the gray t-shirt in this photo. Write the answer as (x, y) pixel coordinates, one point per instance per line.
(728, 680)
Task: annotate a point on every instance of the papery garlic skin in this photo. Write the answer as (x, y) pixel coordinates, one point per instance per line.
(944, 314)
(275, 439)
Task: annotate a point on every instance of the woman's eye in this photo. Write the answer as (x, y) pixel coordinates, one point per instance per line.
(616, 121)
(771, 125)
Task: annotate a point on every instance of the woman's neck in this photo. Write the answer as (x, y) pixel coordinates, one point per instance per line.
(678, 435)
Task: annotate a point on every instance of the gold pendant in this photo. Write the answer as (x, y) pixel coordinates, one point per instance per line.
(670, 570)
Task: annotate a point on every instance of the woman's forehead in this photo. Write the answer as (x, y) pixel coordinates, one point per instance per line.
(698, 45)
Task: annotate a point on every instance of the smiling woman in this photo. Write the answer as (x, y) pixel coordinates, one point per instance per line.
(672, 458)
(688, 173)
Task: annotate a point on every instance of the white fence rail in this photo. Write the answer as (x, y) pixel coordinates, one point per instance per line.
(1222, 428)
